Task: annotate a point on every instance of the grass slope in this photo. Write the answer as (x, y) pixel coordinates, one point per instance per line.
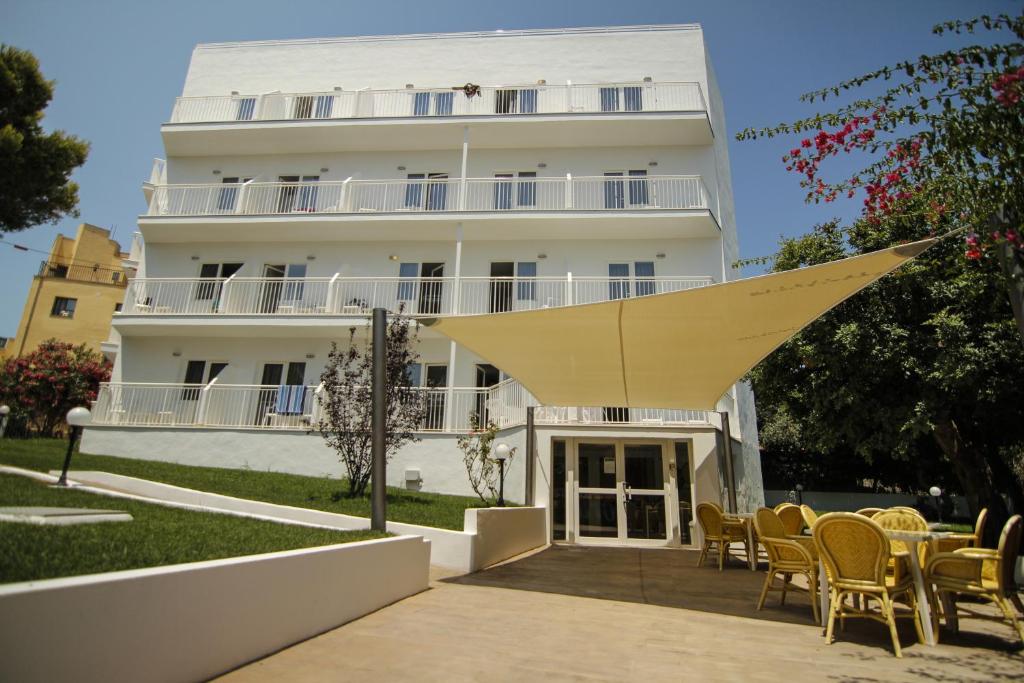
(319, 493)
(156, 536)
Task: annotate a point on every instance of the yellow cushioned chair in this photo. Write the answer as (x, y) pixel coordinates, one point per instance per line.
(869, 512)
(787, 555)
(982, 573)
(950, 542)
(719, 531)
(902, 519)
(856, 552)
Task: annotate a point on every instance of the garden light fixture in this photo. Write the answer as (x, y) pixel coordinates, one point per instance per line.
(77, 418)
(502, 452)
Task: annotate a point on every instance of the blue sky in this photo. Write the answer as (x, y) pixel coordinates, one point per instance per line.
(120, 64)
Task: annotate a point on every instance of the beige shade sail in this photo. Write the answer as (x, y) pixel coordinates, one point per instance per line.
(677, 350)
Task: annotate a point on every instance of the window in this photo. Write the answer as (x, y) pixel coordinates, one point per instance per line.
(615, 187)
(214, 272)
(525, 190)
(324, 107)
(633, 98)
(199, 372)
(515, 101)
(614, 191)
(245, 108)
(609, 99)
(227, 200)
(505, 101)
(638, 188)
(294, 286)
(619, 279)
(63, 307)
(314, 106)
(629, 98)
(407, 284)
(118, 307)
(503, 191)
(526, 286)
(436, 191)
(442, 102)
(528, 101)
(298, 193)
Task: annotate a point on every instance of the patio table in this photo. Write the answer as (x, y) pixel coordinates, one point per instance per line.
(912, 539)
(747, 520)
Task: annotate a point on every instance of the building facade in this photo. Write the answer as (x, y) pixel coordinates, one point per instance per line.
(78, 289)
(307, 182)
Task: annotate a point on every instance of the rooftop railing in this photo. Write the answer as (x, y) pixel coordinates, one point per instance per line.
(357, 296)
(298, 408)
(513, 100)
(83, 272)
(435, 194)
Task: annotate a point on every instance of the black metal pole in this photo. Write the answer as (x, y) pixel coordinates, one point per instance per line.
(531, 454)
(501, 483)
(378, 518)
(72, 437)
(730, 474)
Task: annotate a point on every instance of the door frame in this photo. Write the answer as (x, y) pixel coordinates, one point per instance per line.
(672, 538)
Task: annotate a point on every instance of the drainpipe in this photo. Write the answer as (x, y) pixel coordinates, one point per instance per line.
(531, 454)
(730, 474)
(465, 155)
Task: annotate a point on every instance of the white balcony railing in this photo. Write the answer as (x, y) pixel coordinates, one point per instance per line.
(357, 296)
(562, 193)
(447, 409)
(517, 100)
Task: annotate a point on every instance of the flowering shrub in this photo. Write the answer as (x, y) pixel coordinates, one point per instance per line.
(42, 386)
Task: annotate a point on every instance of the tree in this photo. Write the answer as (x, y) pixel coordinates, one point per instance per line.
(481, 468)
(921, 367)
(947, 126)
(42, 386)
(35, 167)
(347, 400)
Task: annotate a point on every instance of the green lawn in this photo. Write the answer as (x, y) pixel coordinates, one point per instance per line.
(319, 493)
(156, 536)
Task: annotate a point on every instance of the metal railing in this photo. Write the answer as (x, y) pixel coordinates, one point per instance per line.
(500, 194)
(357, 296)
(83, 272)
(513, 100)
(262, 407)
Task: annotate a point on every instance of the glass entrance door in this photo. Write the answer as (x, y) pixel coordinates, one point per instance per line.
(621, 492)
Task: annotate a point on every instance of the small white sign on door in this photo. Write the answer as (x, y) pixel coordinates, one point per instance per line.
(608, 463)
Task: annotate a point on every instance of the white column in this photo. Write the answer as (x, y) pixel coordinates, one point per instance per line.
(449, 413)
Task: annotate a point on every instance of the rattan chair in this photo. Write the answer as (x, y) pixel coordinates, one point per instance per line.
(950, 542)
(787, 555)
(869, 512)
(981, 573)
(906, 508)
(856, 552)
(719, 531)
(902, 519)
(809, 515)
(792, 519)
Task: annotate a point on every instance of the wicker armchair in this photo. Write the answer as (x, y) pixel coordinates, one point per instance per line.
(792, 519)
(869, 512)
(781, 505)
(950, 542)
(902, 519)
(856, 552)
(982, 573)
(809, 515)
(719, 531)
(787, 555)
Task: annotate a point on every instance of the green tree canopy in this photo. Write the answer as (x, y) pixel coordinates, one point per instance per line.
(35, 167)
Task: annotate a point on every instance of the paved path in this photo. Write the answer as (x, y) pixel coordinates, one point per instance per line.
(597, 614)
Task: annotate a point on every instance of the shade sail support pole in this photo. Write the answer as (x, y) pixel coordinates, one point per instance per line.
(730, 472)
(378, 519)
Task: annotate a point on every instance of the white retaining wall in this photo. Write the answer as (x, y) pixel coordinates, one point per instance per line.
(851, 502)
(502, 533)
(193, 621)
(436, 456)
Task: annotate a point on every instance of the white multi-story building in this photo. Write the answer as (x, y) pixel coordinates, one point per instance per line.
(308, 181)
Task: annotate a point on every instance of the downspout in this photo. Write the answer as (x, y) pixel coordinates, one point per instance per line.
(730, 473)
(531, 455)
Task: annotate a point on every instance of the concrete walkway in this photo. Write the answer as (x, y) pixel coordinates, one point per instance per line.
(570, 613)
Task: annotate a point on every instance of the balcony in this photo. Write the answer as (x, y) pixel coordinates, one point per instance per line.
(569, 115)
(83, 272)
(297, 408)
(300, 306)
(376, 208)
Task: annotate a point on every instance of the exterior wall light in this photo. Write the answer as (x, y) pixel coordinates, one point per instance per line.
(660, 254)
(176, 354)
(652, 163)
(541, 257)
(392, 257)
(502, 452)
(216, 171)
(935, 492)
(800, 494)
(401, 168)
(311, 257)
(77, 418)
(542, 165)
(310, 356)
(5, 410)
(324, 170)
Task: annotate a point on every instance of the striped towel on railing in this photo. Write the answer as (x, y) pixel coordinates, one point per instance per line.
(290, 399)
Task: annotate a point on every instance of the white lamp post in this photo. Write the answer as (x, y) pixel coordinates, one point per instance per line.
(77, 418)
(5, 410)
(935, 492)
(501, 454)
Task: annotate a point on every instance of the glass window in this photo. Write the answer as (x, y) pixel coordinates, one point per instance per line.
(294, 286)
(609, 99)
(596, 465)
(414, 191)
(63, 307)
(304, 107)
(245, 108)
(638, 188)
(683, 489)
(558, 497)
(437, 191)
(505, 101)
(527, 188)
(421, 104)
(614, 191)
(618, 281)
(644, 271)
(633, 97)
(502, 191)
(228, 195)
(599, 515)
(324, 106)
(526, 289)
(407, 286)
(118, 307)
(443, 103)
(528, 101)
(414, 371)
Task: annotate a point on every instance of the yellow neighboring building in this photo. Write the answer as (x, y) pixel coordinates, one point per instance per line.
(75, 294)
